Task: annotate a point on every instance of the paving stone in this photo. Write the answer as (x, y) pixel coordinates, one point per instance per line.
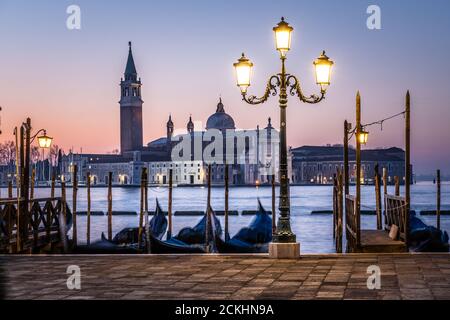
(403, 276)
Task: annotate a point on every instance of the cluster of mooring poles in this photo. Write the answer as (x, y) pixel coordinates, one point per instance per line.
(143, 228)
(396, 208)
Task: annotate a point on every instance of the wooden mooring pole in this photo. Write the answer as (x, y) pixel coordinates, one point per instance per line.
(26, 178)
(385, 191)
(274, 213)
(346, 168)
(227, 234)
(208, 210)
(147, 226)
(63, 221)
(88, 211)
(110, 206)
(169, 209)
(358, 169)
(33, 180)
(340, 212)
(74, 204)
(378, 197)
(438, 200)
(335, 205)
(19, 174)
(141, 212)
(407, 166)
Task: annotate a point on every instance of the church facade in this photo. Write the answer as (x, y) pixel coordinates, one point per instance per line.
(252, 157)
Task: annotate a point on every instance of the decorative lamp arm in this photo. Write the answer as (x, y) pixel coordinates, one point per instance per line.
(271, 89)
(295, 90)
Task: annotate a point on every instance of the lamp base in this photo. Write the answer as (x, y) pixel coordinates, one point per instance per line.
(284, 250)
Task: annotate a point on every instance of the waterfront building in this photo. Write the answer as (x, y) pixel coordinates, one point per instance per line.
(317, 164)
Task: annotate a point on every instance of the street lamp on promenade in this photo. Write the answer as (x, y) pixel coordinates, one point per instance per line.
(44, 142)
(284, 240)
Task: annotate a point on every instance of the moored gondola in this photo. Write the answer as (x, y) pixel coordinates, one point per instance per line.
(173, 246)
(125, 241)
(253, 239)
(104, 246)
(157, 227)
(424, 238)
(196, 237)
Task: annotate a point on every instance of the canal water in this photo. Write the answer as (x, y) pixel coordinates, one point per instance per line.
(314, 231)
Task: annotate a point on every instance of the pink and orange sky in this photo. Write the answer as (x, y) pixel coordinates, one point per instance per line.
(67, 81)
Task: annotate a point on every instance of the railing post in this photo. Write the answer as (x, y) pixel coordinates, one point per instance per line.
(10, 189)
(397, 186)
(52, 190)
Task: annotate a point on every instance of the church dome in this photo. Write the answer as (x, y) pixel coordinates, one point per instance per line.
(220, 120)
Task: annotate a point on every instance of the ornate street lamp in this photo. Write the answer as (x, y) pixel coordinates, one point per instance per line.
(283, 82)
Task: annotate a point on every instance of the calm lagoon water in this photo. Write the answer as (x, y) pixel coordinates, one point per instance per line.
(313, 231)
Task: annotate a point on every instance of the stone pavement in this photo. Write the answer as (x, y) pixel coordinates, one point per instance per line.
(403, 276)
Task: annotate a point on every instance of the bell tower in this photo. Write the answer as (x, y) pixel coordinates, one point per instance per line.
(130, 108)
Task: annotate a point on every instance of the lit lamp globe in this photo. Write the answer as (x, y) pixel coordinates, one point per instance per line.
(363, 136)
(243, 69)
(283, 33)
(45, 141)
(322, 67)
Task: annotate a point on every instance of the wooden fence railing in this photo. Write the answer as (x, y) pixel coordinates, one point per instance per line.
(37, 225)
(352, 224)
(395, 214)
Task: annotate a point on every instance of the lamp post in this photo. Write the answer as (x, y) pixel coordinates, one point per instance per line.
(44, 142)
(283, 82)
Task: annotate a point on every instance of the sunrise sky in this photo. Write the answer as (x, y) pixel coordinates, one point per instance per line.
(67, 81)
